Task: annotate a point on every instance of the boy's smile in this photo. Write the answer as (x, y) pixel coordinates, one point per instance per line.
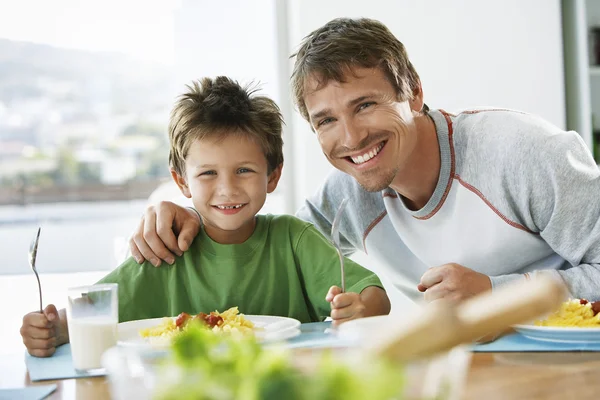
(227, 179)
(229, 209)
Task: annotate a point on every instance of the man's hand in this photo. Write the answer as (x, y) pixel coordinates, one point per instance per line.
(43, 332)
(452, 282)
(344, 306)
(165, 230)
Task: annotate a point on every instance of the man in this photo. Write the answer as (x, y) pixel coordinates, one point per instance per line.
(453, 205)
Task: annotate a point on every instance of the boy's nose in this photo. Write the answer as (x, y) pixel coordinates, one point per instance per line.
(228, 187)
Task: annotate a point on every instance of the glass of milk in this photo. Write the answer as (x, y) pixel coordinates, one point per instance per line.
(92, 317)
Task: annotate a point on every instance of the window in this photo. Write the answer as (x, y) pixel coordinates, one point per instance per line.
(85, 94)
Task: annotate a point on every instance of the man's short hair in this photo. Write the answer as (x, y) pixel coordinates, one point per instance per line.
(329, 52)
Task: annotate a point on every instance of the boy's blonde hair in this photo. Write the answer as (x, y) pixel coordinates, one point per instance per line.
(214, 108)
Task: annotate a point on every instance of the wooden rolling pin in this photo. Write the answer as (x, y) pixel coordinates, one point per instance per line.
(438, 327)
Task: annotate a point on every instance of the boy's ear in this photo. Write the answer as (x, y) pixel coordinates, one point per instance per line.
(274, 178)
(180, 181)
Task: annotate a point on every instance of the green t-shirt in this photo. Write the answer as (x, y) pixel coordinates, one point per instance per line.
(285, 268)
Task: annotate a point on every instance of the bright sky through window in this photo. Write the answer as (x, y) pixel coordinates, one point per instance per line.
(140, 28)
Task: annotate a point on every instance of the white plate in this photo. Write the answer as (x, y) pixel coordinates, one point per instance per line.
(271, 329)
(364, 330)
(559, 334)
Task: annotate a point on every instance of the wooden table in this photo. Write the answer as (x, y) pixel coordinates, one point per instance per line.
(492, 376)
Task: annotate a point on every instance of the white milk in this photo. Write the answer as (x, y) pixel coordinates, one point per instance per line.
(89, 338)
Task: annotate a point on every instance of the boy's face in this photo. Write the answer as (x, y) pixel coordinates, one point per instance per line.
(228, 183)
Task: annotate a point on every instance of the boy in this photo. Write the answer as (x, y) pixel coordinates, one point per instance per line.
(226, 155)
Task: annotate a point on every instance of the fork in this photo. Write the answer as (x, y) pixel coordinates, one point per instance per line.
(335, 237)
(32, 256)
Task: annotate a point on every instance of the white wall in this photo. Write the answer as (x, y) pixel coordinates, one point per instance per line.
(234, 38)
(468, 53)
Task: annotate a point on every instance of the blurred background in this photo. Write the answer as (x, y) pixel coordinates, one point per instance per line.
(86, 89)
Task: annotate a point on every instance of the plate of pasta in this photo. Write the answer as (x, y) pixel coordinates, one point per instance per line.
(158, 332)
(576, 321)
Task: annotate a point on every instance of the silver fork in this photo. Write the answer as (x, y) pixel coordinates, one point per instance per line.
(32, 256)
(335, 237)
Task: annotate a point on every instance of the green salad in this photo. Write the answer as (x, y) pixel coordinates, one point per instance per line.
(208, 366)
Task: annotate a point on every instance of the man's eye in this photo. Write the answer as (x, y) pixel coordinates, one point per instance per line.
(365, 105)
(325, 121)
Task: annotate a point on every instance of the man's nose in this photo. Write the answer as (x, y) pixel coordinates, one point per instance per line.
(353, 135)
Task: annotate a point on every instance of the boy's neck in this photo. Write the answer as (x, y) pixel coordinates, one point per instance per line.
(237, 236)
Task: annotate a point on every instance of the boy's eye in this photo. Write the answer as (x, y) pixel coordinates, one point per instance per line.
(365, 105)
(206, 173)
(244, 170)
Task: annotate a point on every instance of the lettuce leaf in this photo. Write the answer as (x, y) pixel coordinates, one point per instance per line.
(209, 366)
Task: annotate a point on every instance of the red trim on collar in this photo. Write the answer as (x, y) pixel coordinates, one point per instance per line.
(452, 168)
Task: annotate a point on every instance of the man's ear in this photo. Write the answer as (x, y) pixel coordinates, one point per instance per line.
(274, 178)
(416, 104)
(180, 181)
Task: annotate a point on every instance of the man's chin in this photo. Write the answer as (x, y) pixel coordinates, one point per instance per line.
(375, 184)
(370, 187)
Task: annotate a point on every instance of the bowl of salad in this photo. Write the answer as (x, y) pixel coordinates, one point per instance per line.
(203, 365)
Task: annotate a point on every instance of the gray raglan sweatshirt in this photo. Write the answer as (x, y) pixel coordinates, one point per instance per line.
(515, 196)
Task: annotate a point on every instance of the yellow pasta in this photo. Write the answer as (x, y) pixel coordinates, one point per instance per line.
(233, 321)
(166, 329)
(229, 321)
(573, 313)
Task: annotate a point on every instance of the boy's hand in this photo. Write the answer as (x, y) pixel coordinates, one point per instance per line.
(166, 229)
(43, 332)
(344, 306)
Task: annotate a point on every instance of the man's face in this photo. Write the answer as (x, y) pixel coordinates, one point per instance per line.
(228, 182)
(363, 129)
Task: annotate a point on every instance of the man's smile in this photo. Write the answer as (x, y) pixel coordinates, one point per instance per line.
(364, 156)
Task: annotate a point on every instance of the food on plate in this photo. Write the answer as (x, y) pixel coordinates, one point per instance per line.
(574, 313)
(230, 321)
(205, 366)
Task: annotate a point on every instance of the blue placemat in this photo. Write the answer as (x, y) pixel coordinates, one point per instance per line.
(319, 334)
(516, 342)
(59, 366)
(312, 335)
(316, 335)
(27, 393)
